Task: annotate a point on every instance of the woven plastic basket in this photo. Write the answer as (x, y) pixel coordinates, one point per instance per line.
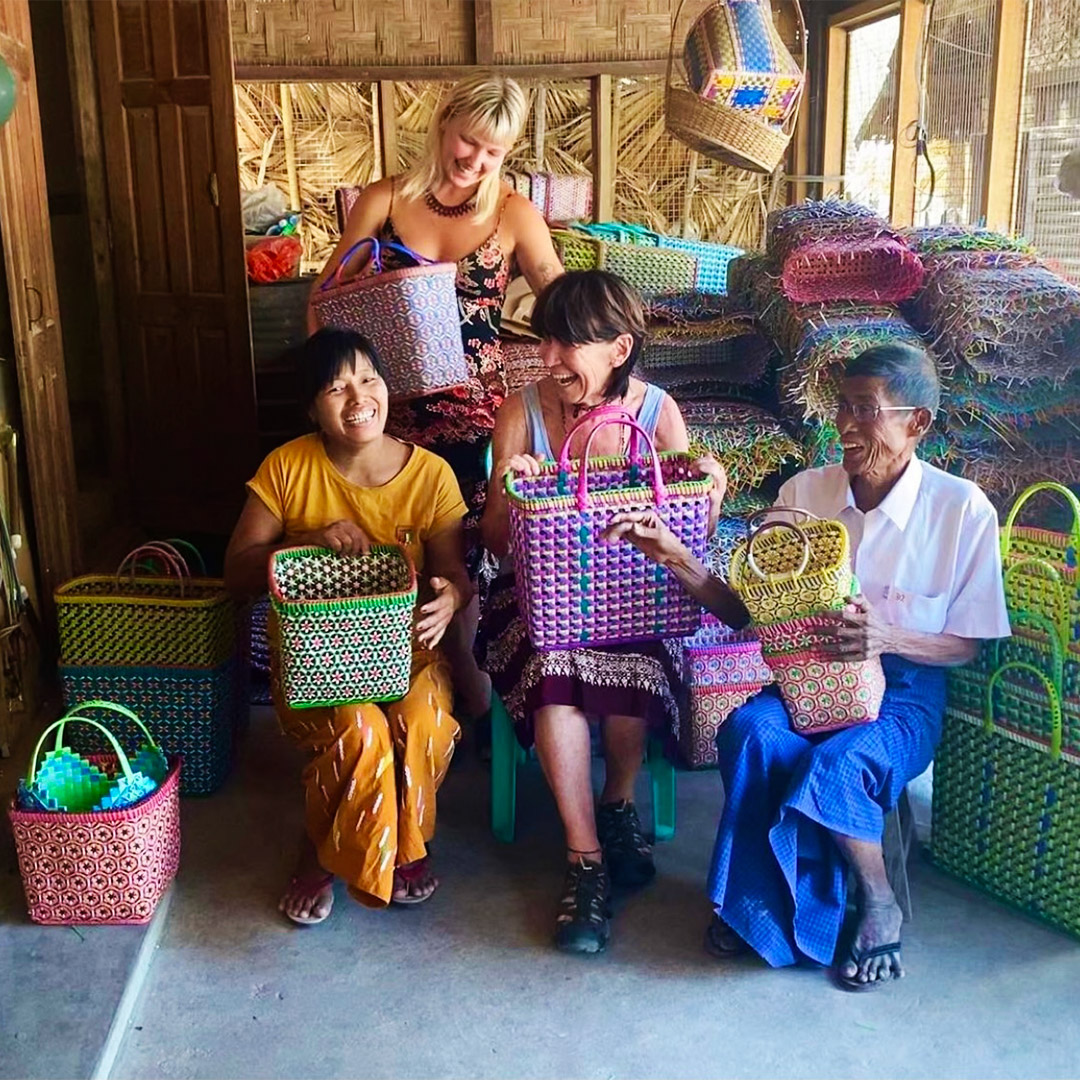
(879, 270)
(1041, 565)
(575, 589)
(568, 197)
(823, 694)
(411, 315)
(576, 250)
(732, 135)
(104, 867)
(785, 571)
(139, 621)
(735, 57)
(191, 712)
(345, 624)
(726, 670)
(1006, 811)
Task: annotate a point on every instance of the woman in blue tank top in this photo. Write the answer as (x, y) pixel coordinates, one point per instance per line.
(592, 326)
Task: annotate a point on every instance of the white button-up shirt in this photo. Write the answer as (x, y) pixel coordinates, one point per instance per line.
(927, 558)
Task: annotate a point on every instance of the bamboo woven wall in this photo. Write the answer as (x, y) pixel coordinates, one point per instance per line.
(352, 32)
(365, 32)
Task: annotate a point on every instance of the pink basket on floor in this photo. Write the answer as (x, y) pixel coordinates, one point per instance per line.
(411, 315)
(108, 867)
(574, 589)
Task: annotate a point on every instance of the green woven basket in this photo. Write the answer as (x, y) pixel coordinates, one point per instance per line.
(344, 624)
(1006, 812)
(1041, 565)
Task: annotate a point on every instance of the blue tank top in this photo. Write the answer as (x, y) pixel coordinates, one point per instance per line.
(539, 444)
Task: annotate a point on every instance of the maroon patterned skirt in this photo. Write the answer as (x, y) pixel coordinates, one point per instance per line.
(646, 680)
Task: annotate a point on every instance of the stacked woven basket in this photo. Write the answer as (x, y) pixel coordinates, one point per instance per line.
(1006, 813)
(164, 644)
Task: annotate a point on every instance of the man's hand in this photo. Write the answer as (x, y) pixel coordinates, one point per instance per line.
(855, 632)
(645, 530)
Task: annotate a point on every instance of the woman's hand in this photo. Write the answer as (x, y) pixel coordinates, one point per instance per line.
(435, 615)
(341, 537)
(648, 533)
(709, 466)
(524, 464)
(856, 632)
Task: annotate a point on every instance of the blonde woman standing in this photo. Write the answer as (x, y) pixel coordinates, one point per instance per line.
(453, 206)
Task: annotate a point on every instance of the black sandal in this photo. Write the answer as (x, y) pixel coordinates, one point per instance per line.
(722, 942)
(583, 924)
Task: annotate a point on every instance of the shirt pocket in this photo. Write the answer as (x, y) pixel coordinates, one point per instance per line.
(917, 611)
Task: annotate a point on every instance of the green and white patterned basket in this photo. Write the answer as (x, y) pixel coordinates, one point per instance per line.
(344, 624)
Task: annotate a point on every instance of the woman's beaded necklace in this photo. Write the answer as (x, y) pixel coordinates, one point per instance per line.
(443, 210)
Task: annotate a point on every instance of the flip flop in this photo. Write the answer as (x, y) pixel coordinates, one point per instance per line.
(408, 874)
(715, 933)
(311, 887)
(852, 983)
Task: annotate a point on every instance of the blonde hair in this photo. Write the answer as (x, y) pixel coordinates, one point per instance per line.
(493, 107)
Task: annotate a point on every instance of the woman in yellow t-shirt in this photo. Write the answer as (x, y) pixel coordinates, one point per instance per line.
(371, 782)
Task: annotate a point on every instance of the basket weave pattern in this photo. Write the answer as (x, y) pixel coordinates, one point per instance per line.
(345, 624)
(108, 867)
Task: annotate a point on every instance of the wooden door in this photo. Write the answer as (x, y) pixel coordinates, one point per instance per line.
(165, 83)
(39, 352)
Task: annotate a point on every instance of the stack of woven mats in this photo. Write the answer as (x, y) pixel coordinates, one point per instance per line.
(815, 341)
(1009, 328)
(832, 250)
(702, 346)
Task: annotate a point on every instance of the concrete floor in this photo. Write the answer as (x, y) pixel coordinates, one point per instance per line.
(468, 984)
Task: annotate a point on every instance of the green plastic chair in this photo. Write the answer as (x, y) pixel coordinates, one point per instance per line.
(507, 754)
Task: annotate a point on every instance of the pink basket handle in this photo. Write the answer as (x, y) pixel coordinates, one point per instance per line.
(659, 490)
(377, 247)
(173, 560)
(604, 411)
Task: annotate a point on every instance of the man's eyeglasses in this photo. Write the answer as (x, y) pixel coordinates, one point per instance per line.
(865, 414)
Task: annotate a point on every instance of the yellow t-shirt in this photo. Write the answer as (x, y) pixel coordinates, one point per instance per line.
(302, 489)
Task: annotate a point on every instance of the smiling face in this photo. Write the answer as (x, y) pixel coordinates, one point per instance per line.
(878, 448)
(351, 409)
(467, 156)
(582, 373)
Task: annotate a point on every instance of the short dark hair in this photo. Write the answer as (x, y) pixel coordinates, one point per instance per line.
(909, 373)
(326, 354)
(585, 306)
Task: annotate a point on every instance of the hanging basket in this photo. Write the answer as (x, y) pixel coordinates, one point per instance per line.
(729, 134)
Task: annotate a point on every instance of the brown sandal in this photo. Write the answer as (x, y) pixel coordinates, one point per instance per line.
(409, 875)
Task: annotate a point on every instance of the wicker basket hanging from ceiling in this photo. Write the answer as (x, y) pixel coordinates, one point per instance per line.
(738, 136)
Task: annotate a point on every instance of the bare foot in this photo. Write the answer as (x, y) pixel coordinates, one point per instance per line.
(413, 883)
(310, 894)
(869, 962)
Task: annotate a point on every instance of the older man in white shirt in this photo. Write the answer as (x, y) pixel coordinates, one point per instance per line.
(800, 811)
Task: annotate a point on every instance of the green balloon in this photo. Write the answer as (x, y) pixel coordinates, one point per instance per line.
(7, 93)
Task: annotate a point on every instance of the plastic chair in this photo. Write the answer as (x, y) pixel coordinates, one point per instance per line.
(507, 754)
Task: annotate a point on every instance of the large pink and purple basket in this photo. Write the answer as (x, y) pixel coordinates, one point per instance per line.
(576, 590)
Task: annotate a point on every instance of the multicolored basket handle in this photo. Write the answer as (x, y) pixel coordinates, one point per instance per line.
(767, 510)
(377, 246)
(110, 706)
(1051, 693)
(118, 750)
(1044, 485)
(176, 543)
(175, 563)
(624, 418)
